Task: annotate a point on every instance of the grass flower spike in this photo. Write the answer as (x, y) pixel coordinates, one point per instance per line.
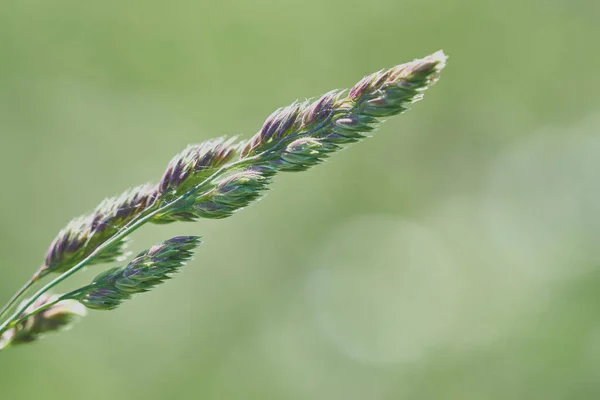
(213, 179)
(149, 269)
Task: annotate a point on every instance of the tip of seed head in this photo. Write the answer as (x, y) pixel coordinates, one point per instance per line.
(440, 58)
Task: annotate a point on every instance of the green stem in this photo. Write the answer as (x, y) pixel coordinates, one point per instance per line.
(66, 296)
(19, 293)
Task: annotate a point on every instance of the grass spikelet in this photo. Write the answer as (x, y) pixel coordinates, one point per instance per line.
(83, 234)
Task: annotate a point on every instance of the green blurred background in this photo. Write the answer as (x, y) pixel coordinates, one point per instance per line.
(454, 256)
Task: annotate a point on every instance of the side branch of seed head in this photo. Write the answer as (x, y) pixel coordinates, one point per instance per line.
(149, 269)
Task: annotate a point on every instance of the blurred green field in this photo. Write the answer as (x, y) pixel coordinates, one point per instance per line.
(453, 256)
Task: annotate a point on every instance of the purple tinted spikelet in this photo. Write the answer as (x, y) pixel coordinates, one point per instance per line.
(278, 125)
(195, 164)
(232, 193)
(149, 269)
(56, 317)
(82, 235)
